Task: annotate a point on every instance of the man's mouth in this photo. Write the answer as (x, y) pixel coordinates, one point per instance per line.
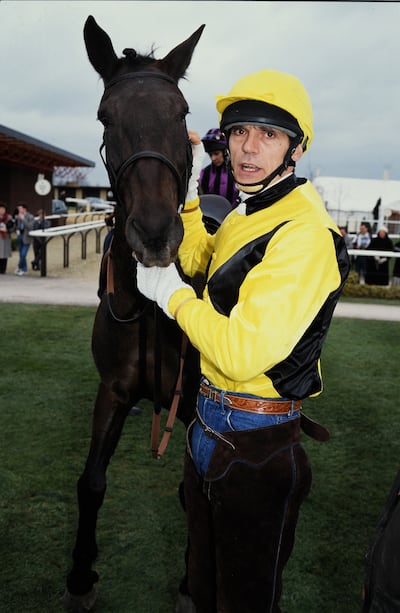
(249, 168)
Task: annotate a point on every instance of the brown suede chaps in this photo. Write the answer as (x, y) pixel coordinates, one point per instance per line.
(242, 518)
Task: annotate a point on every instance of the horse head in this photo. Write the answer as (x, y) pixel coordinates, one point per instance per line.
(147, 151)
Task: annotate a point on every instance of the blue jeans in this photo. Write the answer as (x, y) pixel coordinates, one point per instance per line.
(23, 250)
(221, 417)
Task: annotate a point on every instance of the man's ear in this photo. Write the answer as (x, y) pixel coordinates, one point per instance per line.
(297, 154)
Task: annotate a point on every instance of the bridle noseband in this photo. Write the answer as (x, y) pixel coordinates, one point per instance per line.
(115, 176)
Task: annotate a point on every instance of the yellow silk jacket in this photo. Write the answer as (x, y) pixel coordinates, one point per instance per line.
(274, 275)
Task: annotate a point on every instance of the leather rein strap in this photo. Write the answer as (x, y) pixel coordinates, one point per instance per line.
(157, 450)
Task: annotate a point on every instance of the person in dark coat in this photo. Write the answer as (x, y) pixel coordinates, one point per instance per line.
(24, 224)
(7, 226)
(40, 223)
(377, 267)
(396, 267)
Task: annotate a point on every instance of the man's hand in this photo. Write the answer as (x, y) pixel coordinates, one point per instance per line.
(159, 284)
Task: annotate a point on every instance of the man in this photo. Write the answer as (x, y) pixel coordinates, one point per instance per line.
(362, 241)
(275, 270)
(348, 239)
(40, 223)
(216, 178)
(24, 224)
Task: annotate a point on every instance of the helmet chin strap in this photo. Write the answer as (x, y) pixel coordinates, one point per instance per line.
(253, 188)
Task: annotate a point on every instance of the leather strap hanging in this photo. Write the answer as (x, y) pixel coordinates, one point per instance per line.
(158, 450)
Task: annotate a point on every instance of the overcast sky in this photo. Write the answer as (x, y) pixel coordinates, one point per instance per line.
(346, 53)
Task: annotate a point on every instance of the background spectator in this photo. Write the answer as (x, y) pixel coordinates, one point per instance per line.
(396, 267)
(7, 225)
(377, 267)
(216, 178)
(362, 241)
(347, 238)
(40, 223)
(24, 224)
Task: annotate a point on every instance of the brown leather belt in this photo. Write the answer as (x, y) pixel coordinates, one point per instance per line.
(252, 405)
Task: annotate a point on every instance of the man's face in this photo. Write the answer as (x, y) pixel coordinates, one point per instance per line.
(217, 158)
(256, 151)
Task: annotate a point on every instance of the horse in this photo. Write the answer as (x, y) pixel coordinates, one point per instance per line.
(137, 350)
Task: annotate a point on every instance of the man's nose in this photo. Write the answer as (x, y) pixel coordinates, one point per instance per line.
(250, 144)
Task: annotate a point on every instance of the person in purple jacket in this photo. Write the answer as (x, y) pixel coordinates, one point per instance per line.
(216, 178)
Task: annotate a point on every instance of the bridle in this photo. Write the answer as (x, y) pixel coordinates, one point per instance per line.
(115, 175)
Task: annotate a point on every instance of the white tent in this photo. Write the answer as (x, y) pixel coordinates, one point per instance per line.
(350, 201)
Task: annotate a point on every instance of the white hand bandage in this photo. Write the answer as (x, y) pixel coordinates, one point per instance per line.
(198, 158)
(159, 284)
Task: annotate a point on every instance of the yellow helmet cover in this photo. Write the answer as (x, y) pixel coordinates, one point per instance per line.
(276, 88)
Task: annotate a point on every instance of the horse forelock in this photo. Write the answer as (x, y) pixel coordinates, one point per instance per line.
(134, 60)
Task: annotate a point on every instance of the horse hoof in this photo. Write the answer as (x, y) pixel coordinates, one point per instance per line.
(79, 604)
(184, 604)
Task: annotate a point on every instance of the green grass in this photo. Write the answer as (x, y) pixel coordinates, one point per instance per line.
(46, 399)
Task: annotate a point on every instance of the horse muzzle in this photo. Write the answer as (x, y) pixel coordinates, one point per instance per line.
(154, 245)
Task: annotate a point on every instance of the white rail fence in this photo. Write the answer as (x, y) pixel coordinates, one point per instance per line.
(83, 228)
(67, 232)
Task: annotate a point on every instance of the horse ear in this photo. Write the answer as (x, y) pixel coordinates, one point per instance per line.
(177, 61)
(99, 49)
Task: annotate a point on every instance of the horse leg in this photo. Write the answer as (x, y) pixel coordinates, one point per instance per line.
(108, 420)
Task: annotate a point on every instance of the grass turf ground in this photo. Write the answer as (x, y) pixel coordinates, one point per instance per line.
(46, 398)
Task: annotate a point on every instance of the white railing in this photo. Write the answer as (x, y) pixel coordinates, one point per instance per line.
(369, 252)
(67, 232)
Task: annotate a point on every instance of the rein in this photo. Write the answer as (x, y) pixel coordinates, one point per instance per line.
(110, 293)
(157, 450)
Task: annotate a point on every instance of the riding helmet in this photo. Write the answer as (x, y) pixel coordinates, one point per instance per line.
(214, 140)
(269, 98)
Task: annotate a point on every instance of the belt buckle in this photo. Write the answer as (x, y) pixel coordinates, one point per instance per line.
(213, 394)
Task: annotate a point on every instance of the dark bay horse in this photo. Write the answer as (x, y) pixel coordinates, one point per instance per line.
(136, 348)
